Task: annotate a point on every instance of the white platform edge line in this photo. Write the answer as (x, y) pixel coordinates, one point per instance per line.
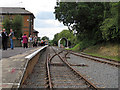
(28, 58)
(34, 53)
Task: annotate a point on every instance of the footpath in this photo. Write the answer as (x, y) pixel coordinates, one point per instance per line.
(13, 66)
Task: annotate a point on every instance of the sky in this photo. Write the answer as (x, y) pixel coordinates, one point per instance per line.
(44, 21)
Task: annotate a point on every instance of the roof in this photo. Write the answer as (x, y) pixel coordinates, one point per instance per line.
(14, 10)
(34, 31)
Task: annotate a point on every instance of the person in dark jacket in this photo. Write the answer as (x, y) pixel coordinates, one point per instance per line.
(4, 39)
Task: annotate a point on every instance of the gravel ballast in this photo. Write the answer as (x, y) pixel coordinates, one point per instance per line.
(103, 75)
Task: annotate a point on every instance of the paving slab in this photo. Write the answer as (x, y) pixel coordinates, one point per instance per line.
(18, 63)
(18, 50)
(12, 68)
(11, 75)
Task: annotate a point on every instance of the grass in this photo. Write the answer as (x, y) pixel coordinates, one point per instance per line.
(109, 57)
(108, 50)
(75, 48)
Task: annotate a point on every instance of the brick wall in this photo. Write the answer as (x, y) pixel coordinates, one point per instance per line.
(25, 30)
(26, 24)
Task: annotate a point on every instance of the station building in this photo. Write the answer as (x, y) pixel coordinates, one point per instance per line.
(11, 12)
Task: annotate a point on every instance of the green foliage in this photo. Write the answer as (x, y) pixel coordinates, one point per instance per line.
(17, 25)
(39, 39)
(75, 48)
(108, 29)
(51, 42)
(83, 45)
(86, 43)
(65, 33)
(109, 26)
(94, 21)
(45, 38)
(108, 50)
(7, 24)
(55, 40)
(83, 17)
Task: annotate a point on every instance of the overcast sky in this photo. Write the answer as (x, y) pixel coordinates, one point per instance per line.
(43, 10)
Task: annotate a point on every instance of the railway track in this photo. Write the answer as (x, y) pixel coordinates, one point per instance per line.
(37, 78)
(55, 70)
(62, 75)
(95, 58)
(103, 72)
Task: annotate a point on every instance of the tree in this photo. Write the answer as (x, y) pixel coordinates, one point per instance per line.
(7, 24)
(55, 39)
(65, 33)
(83, 17)
(109, 27)
(45, 38)
(18, 25)
(93, 21)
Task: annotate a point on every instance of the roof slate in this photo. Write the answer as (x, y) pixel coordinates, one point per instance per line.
(14, 10)
(34, 31)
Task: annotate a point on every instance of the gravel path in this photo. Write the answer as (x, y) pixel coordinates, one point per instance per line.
(103, 75)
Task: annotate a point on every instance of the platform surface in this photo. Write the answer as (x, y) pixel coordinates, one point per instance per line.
(12, 66)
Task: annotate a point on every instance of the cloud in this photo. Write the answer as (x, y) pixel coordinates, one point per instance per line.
(32, 5)
(46, 20)
(8, 3)
(49, 32)
(36, 6)
(47, 24)
(43, 10)
(45, 15)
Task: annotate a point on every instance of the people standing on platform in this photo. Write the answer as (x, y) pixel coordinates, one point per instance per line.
(11, 35)
(4, 39)
(25, 41)
(42, 43)
(30, 41)
(35, 41)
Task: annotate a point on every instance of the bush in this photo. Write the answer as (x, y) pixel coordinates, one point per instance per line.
(83, 45)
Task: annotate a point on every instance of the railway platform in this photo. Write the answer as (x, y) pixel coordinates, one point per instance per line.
(14, 63)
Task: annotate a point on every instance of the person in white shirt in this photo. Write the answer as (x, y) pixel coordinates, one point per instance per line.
(30, 41)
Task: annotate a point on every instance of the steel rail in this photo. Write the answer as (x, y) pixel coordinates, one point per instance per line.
(107, 61)
(101, 57)
(54, 56)
(92, 58)
(78, 73)
(48, 74)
